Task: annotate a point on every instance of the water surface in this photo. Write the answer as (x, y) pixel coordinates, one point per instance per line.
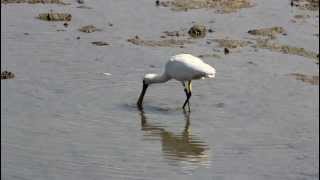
(62, 118)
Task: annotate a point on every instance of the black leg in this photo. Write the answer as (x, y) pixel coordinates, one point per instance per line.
(187, 101)
(190, 89)
(187, 90)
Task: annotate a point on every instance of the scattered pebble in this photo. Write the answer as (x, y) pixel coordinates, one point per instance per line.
(81, 1)
(226, 51)
(89, 29)
(65, 24)
(107, 74)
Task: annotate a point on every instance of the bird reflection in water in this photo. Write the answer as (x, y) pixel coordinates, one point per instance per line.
(182, 147)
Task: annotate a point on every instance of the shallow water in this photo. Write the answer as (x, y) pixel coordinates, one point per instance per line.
(62, 118)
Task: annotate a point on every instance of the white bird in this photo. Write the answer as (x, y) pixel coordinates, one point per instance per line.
(183, 68)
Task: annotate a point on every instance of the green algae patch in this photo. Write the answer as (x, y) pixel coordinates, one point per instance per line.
(55, 16)
(310, 79)
(232, 43)
(35, 1)
(213, 55)
(174, 34)
(222, 6)
(159, 43)
(287, 49)
(271, 32)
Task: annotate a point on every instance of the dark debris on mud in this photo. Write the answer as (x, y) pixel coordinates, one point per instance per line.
(311, 5)
(7, 75)
(89, 29)
(84, 7)
(100, 43)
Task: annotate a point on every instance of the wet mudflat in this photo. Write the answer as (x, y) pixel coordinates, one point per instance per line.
(69, 112)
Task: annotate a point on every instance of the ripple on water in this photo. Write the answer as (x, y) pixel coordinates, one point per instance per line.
(178, 149)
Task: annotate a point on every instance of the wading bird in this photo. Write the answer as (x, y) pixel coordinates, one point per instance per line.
(183, 68)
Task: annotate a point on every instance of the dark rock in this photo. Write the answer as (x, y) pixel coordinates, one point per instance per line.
(197, 31)
(226, 51)
(7, 75)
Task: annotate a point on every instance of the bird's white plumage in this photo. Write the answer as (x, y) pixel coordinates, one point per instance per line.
(184, 67)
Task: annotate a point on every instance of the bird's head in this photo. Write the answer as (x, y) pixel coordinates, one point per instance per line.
(147, 79)
(150, 79)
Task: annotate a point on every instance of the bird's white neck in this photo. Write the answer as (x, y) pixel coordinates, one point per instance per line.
(156, 78)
